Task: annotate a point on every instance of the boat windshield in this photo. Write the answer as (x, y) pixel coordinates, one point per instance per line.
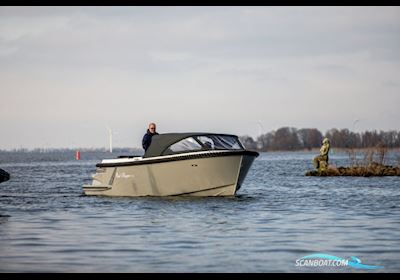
(187, 144)
(205, 142)
(225, 142)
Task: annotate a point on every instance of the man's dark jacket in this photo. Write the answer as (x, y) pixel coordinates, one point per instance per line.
(147, 139)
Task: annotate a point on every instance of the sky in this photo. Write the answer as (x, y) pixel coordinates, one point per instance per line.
(68, 73)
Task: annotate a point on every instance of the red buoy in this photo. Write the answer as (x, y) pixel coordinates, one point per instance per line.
(78, 155)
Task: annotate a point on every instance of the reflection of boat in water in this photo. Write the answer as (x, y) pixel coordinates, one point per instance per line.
(192, 164)
(4, 176)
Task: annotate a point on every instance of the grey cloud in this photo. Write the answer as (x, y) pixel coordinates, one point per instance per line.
(278, 61)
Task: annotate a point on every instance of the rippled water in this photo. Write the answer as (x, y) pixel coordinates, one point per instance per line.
(278, 216)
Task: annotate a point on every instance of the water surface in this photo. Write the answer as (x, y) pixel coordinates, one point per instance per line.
(278, 216)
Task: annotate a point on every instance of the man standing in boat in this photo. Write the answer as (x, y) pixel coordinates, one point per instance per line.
(151, 131)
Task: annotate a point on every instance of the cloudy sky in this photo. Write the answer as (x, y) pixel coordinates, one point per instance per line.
(66, 73)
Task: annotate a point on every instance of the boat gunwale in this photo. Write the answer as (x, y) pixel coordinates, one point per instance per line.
(178, 157)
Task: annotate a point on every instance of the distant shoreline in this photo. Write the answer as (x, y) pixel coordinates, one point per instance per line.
(117, 150)
(49, 150)
(316, 150)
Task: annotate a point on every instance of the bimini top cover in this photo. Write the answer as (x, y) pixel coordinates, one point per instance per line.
(176, 143)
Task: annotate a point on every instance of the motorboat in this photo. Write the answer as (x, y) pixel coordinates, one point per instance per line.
(4, 175)
(177, 164)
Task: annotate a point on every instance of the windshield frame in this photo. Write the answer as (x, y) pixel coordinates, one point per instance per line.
(219, 142)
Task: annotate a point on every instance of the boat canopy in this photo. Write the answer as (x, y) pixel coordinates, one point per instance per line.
(176, 143)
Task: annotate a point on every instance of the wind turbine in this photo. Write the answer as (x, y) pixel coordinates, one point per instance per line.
(260, 128)
(354, 124)
(260, 131)
(110, 134)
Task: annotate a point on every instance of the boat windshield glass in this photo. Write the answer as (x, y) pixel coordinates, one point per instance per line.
(220, 142)
(187, 144)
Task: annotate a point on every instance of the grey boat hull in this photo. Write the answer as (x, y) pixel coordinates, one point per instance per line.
(4, 176)
(198, 174)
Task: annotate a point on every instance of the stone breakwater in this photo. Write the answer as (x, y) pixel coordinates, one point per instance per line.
(373, 169)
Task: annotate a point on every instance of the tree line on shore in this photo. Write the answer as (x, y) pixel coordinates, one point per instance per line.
(292, 139)
(282, 139)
